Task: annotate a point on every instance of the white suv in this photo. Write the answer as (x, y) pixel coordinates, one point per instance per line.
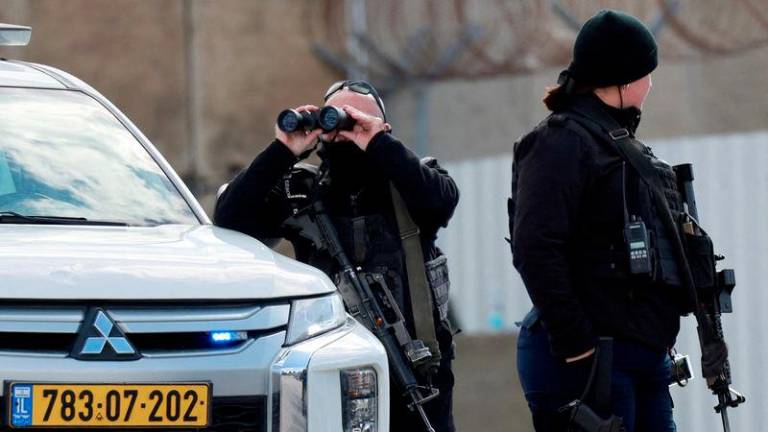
(121, 306)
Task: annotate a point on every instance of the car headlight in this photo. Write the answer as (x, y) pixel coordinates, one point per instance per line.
(359, 400)
(313, 316)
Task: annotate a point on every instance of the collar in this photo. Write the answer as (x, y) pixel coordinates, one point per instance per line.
(610, 118)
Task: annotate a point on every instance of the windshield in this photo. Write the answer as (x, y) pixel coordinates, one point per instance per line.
(64, 154)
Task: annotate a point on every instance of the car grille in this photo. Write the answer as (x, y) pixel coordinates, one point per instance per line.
(155, 330)
(240, 414)
(229, 414)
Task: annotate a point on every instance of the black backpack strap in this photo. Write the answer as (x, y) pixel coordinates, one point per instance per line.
(622, 142)
(574, 125)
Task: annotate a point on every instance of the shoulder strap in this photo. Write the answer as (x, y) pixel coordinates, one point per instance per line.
(621, 140)
(421, 293)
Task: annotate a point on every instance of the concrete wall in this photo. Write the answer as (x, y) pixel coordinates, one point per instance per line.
(131, 51)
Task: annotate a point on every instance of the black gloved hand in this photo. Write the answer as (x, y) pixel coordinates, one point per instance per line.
(714, 351)
(714, 356)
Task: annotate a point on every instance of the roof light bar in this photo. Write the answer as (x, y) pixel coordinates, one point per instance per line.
(14, 35)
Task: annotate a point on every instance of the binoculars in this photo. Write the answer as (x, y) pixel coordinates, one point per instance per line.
(328, 119)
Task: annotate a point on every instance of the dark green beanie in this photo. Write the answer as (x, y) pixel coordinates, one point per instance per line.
(612, 48)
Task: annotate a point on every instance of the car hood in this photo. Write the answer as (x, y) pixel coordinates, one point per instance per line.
(169, 262)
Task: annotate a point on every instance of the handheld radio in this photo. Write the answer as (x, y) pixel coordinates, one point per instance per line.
(637, 240)
(638, 244)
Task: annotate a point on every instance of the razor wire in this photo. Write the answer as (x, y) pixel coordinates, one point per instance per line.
(469, 39)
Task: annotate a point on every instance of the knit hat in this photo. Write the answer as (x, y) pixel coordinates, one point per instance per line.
(612, 48)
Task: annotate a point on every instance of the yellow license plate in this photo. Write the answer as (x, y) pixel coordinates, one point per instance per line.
(109, 405)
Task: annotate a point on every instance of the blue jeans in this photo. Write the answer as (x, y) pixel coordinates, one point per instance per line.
(639, 388)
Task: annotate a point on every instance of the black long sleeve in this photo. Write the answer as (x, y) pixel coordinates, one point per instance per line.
(429, 192)
(553, 170)
(245, 205)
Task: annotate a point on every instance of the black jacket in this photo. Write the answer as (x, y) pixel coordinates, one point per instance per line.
(255, 202)
(568, 217)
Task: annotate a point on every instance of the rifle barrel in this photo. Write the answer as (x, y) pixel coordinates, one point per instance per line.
(424, 418)
(726, 422)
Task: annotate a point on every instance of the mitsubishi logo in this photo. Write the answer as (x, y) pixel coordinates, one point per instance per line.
(101, 339)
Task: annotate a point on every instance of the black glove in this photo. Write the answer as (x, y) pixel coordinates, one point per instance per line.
(714, 351)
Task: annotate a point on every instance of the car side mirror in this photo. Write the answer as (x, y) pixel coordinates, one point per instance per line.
(14, 35)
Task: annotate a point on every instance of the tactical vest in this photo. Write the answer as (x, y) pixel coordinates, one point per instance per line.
(372, 243)
(665, 253)
(639, 202)
(375, 247)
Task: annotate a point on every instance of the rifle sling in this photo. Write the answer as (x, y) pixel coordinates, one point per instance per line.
(418, 286)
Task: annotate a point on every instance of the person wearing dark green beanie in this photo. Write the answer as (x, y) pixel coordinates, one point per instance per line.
(613, 51)
(613, 48)
(573, 196)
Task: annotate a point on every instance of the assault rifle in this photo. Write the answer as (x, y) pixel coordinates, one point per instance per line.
(368, 300)
(714, 301)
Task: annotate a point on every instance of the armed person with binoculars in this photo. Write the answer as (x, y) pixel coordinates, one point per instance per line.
(368, 216)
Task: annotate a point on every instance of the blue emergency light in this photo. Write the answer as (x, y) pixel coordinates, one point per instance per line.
(224, 337)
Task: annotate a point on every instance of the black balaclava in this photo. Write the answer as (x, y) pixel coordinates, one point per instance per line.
(347, 163)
